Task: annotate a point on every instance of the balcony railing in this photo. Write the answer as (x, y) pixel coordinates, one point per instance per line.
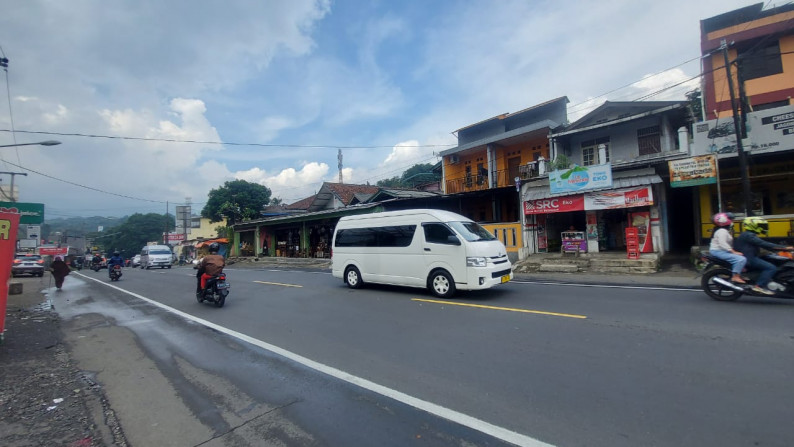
(504, 177)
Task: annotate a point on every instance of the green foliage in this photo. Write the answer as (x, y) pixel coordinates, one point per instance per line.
(695, 105)
(561, 162)
(236, 200)
(129, 237)
(415, 175)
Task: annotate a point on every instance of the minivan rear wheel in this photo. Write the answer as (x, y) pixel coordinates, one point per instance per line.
(441, 284)
(353, 277)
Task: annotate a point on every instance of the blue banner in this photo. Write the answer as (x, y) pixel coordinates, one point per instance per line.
(581, 178)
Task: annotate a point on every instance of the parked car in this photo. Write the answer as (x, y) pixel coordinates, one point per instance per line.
(27, 264)
(136, 260)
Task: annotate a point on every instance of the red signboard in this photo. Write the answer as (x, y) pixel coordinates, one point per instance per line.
(53, 251)
(554, 205)
(9, 224)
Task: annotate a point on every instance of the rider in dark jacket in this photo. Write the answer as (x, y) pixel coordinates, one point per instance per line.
(750, 245)
(116, 259)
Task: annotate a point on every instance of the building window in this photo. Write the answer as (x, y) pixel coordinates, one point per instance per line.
(758, 62)
(649, 140)
(590, 151)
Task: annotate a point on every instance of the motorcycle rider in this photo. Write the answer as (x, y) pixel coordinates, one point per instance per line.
(749, 244)
(722, 246)
(210, 265)
(96, 261)
(116, 259)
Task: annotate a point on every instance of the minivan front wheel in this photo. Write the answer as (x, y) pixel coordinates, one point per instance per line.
(441, 284)
(353, 277)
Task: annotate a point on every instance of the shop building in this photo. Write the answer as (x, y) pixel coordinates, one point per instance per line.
(759, 46)
(616, 176)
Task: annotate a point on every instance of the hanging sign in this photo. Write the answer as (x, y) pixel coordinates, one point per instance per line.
(580, 178)
(693, 171)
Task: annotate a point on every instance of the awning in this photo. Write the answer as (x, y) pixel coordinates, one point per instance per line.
(221, 240)
(620, 179)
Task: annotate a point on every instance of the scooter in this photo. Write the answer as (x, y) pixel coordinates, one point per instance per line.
(95, 266)
(716, 280)
(216, 290)
(115, 273)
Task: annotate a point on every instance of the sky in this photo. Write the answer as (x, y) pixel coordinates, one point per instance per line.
(155, 102)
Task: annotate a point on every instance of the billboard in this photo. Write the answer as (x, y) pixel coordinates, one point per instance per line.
(693, 171)
(768, 131)
(30, 213)
(592, 201)
(581, 178)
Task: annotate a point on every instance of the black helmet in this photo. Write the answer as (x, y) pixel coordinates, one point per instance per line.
(116, 253)
(214, 247)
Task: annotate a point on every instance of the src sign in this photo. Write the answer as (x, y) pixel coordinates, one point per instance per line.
(554, 205)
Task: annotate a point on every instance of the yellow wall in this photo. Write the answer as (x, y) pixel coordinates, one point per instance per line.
(206, 230)
(753, 87)
(747, 26)
(509, 234)
(524, 150)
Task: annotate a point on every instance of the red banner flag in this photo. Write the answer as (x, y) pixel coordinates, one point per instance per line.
(9, 224)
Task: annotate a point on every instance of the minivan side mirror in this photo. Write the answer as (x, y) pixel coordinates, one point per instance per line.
(453, 240)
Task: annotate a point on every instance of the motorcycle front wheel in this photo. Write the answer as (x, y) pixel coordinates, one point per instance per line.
(716, 290)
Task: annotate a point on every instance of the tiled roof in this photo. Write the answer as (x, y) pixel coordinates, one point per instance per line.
(302, 204)
(346, 193)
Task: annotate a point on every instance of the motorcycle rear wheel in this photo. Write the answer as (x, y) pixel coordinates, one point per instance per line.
(200, 297)
(716, 290)
(220, 301)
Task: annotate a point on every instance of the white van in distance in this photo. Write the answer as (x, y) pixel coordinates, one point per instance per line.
(439, 250)
(156, 256)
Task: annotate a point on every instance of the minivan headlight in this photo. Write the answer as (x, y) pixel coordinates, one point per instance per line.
(475, 262)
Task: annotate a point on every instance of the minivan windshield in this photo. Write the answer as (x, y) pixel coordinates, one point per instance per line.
(159, 252)
(472, 231)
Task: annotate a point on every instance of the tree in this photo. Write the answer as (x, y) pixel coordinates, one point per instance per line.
(139, 229)
(695, 105)
(393, 182)
(415, 175)
(236, 200)
(561, 162)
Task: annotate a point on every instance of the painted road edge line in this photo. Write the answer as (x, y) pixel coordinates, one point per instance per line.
(509, 309)
(446, 413)
(278, 284)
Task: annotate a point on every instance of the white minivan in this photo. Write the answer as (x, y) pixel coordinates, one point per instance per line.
(439, 250)
(156, 256)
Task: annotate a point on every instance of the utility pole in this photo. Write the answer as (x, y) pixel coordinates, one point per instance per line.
(12, 174)
(746, 194)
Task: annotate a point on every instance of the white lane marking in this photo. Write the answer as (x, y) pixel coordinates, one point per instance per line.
(446, 413)
(606, 286)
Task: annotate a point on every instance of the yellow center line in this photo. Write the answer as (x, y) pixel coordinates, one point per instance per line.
(278, 284)
(509, 309)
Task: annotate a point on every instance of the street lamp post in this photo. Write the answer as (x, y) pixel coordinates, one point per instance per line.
(40, 143)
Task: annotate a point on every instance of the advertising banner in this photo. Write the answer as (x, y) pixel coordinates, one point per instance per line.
(693, 171)
(554, 205)
(580, 178)
(30, 213)
(9, 225)
(620, 198)
(53, 251)
(768, 130)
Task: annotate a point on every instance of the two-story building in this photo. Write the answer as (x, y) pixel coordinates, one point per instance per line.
(493, 157)
(609, 174)
(758, 45)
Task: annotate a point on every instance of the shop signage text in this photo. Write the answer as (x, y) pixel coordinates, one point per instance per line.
(580, 178)
(769, 130)
(30, 213)
(693, 171)
(602, 200)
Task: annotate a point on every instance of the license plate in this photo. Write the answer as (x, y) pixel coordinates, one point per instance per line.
(505, 278)
(222, 285)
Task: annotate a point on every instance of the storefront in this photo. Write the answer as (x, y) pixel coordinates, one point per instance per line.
(600, 218)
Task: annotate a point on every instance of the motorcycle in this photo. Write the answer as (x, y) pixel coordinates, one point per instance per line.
(115, 273)
(95, 266)
(716, 280)
(216, 290)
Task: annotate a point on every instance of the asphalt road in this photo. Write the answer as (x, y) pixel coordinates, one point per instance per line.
(297, 356)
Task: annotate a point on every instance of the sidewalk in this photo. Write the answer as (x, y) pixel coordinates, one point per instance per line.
(45, 400)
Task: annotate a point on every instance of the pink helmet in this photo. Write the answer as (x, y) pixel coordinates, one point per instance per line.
(722, 220)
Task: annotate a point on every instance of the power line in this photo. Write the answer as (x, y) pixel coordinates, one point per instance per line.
(222, 143)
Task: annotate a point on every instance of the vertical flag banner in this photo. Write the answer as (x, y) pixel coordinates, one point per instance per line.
(9, 224)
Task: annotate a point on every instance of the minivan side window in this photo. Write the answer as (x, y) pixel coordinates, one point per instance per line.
(391, 236)
(437, 233)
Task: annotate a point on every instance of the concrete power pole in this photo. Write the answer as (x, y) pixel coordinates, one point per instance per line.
(339, 157)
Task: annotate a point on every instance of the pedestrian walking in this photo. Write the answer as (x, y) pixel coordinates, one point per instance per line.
(59, 270)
